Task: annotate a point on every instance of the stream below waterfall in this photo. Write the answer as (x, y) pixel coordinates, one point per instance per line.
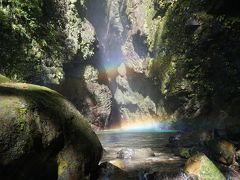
(141, 153)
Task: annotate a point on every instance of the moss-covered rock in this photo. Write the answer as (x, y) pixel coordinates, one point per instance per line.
(222, 150)
(43, 136)
(184, 152)
(201, 168)
(3, 79)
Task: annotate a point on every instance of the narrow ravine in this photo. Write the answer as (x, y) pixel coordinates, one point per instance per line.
(124, 58)
(119, 89)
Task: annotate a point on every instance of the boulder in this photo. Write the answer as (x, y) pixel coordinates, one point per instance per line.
(109, 171)
(121, 164)
(184, 152)
(200, 167)
(141, 153)
(126, 153)
(43, 136)
(3, 79)
(222, 151)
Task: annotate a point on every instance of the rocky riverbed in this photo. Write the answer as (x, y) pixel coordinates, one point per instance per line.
(167, 155)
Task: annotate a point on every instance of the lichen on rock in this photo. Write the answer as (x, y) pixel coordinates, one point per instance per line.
(38, 126)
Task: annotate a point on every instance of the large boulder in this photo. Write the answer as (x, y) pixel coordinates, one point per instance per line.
(222, 150)
(43, 136)
(200, 167)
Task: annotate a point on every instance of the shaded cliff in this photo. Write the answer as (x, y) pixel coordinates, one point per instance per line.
(170, 60)
(195, 47)
(38, 37)
(126, 61)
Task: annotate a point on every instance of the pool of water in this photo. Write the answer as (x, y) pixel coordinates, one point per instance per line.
(161, 159)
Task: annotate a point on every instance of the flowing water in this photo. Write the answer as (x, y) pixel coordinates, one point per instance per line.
(140, 151)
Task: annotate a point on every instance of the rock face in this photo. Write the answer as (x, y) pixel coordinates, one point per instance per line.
(183, 69)
(157, 60)
(85, 84)
(200, 167)
(83, 87)
(39, 43)
(193, 65)
(124, 57)
(43, 136)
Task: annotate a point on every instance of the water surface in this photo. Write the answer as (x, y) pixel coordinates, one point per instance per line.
(163, 160)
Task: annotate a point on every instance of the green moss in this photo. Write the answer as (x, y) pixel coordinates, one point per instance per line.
(200, 167)
(3, 79)
(62, 165)
(22, 118)
(40, 36)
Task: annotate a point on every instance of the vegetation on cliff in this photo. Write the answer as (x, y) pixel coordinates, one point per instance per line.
(38, 36)
(195, 45)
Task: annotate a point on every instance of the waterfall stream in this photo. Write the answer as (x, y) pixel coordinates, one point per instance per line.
(124, 59)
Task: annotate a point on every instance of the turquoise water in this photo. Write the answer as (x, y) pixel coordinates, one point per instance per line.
(135, 138)
(120, 131)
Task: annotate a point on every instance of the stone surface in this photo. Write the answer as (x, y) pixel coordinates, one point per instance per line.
(43, 136)
(107, 170)
(91, 97)
(222, 150)
(141, 153)
(200, 167)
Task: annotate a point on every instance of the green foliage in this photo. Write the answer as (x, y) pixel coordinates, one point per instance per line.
(228, 21)
(37, 37)
(194, 63)
(26, 39)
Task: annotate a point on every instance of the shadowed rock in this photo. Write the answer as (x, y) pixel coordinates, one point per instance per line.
(43, 136)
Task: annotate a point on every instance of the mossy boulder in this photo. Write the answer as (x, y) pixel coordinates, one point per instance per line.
(3, 79)
(222, 151)
(201, 168)
(184, 152)
(43, 136)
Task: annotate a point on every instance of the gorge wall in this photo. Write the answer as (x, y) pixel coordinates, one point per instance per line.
(126, 62)
(175, 61)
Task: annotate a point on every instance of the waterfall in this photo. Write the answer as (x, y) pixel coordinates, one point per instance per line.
(124, 58)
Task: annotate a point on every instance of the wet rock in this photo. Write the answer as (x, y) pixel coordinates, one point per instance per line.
(222, 150)
(118, 163)
(184, 152)
(200, 167)
(126, 153)
(190, 139)
(174, 139)
(43, 136)
(167, 175)
(111, 172)
(135, 153)
(238, 156)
